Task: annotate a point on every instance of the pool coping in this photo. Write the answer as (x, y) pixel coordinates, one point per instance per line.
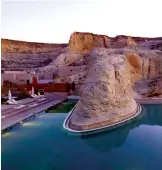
(114, 125)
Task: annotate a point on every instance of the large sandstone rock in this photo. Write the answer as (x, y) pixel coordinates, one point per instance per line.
(106, 96)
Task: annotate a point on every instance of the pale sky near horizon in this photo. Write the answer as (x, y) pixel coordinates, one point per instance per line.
(54, 20)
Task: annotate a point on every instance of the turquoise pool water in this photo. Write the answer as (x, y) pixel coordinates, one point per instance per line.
(42, 144)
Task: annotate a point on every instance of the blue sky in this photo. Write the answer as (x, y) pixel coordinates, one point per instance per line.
(54, 20)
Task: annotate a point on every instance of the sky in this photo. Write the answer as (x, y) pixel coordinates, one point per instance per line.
(53, 21)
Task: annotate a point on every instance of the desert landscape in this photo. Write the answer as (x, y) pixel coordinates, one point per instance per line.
(70, 62)
(110, 74)
(81, 85)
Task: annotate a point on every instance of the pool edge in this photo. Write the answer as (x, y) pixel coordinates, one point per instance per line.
(108, 127)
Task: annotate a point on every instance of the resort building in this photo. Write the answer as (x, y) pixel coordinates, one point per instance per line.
(17, 77)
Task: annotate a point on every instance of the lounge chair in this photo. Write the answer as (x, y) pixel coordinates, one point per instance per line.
(11, 102)
(14, 101)
(34, 96)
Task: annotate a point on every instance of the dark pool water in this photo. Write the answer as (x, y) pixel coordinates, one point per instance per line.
(42, 144)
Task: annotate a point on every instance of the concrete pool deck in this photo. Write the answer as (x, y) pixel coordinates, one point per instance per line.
(11, 115)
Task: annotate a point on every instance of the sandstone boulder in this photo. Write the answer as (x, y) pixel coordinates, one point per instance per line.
(106, 96)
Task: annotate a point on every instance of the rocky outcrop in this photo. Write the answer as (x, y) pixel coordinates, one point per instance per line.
(155, 88)
(151, 61)
(106, 96)
(77, 78)
(85, 42)
(153, 45)
(147, 63)
(131, 42)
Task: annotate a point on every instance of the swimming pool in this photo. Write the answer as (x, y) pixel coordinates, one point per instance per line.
(42, 144)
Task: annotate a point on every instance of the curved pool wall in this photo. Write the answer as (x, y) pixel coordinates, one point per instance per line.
(97, 130)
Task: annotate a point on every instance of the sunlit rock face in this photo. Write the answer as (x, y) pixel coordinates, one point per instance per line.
(85, 42)
(147, 64)
(106, 96)
(135, 66)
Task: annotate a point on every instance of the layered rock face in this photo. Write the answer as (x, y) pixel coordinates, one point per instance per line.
(147, 64)
(151, 62)
(21, 55)
(85, 42)
(135, 65)
(106, 96)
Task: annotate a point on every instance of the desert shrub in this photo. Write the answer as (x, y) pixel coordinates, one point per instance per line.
(154, 93)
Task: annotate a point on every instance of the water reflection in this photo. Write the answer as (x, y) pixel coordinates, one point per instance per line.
(31, 124)
(105, 141)
(7, 134)
(153, 115)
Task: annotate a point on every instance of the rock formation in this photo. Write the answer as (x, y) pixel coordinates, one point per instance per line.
(106, 96)
(131, 42)
(155, 88)
(135, 66)
(21, 55)
(48, 59)
(85, 42)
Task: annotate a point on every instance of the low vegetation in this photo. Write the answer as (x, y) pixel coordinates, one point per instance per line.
(63, 107)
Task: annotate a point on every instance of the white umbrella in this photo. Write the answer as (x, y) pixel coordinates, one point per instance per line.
(9, 95)
(32, 90)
